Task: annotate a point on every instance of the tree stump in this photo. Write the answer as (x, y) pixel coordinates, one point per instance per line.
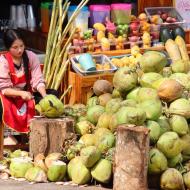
(131, 158)
(50, 135)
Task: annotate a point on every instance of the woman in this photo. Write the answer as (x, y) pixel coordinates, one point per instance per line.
(20, 76)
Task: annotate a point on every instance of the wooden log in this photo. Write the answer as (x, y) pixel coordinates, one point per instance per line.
(50, 135)
(131, 158)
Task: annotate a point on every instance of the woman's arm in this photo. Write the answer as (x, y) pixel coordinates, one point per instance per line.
(37, 79)
(13, 92)
(42, 90)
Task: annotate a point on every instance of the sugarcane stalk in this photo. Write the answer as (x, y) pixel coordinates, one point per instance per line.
(56, 60)
(53, 18)
(56, 45)
(50, 50)
(66, 91)
(58, 66)
(60, 75)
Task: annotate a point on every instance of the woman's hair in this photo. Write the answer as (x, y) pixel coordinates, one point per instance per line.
(9, 37)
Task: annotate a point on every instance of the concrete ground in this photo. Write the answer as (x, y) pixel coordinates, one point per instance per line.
(24, 185)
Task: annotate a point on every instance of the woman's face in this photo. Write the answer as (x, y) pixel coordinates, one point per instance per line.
(17, 48)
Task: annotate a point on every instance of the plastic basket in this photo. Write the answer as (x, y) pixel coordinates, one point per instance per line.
(171, 11)
(99, 59)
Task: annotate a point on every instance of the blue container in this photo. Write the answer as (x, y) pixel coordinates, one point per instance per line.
(86, 62)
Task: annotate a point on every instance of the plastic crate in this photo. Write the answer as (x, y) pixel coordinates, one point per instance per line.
(171, 11)
(99, 59)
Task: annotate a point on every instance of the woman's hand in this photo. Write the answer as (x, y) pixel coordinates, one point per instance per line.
(26, 95)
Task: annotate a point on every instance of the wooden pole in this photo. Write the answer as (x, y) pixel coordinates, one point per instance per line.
(131, 158)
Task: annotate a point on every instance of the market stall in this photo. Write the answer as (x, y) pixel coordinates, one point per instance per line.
(124, 81)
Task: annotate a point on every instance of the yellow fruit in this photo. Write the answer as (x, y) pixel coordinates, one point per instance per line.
(142, 16)
(100, 35)
(125, 61)
(135, 50)
(99, 27)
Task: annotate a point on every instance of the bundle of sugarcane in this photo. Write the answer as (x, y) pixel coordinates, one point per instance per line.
(56, 59)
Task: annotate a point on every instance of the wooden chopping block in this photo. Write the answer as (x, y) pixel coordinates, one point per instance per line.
(50, 135)
(131, 158)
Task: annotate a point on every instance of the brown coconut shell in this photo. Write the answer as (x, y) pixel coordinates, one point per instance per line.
(170, 90)
(102, 87)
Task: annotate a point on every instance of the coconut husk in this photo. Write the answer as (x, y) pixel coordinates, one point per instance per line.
(102, 87)
(170, 90)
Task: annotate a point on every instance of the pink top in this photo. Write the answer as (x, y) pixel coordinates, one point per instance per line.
(99, 7)
(37, 79)
(121, 6)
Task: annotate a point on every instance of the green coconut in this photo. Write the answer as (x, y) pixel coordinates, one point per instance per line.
(93, 113)
(90, 155)
(181, 107)
(113, 105)
(124, 79)
(148, 78)
(93, 101)
(170, 144)
(104, 120)
(179, 125)
(153, 61)
(146, 94)
(104, 98)
(180, 66)
(104, 139)
(36, 174)
(131, 115)
(166, 72)
(19, 167)
(71, 164)
(79, 110)
(88, 139)
(154, 131)
(152, 107)
(53, 157)
(157, 162)
(56, 172)
(113, 123)
(163, 121)
(102, 171)
(186, 179)
(110, 154)
(186, 144)
(51, 106)
(172, 162)
(74, 150)
(129, 103)
(156, 84)
(19, 153)
(84, 127)
(133, 94)
(172, 179)
(182, 78)
(116, 93)
(81, 118)
(79, 173)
